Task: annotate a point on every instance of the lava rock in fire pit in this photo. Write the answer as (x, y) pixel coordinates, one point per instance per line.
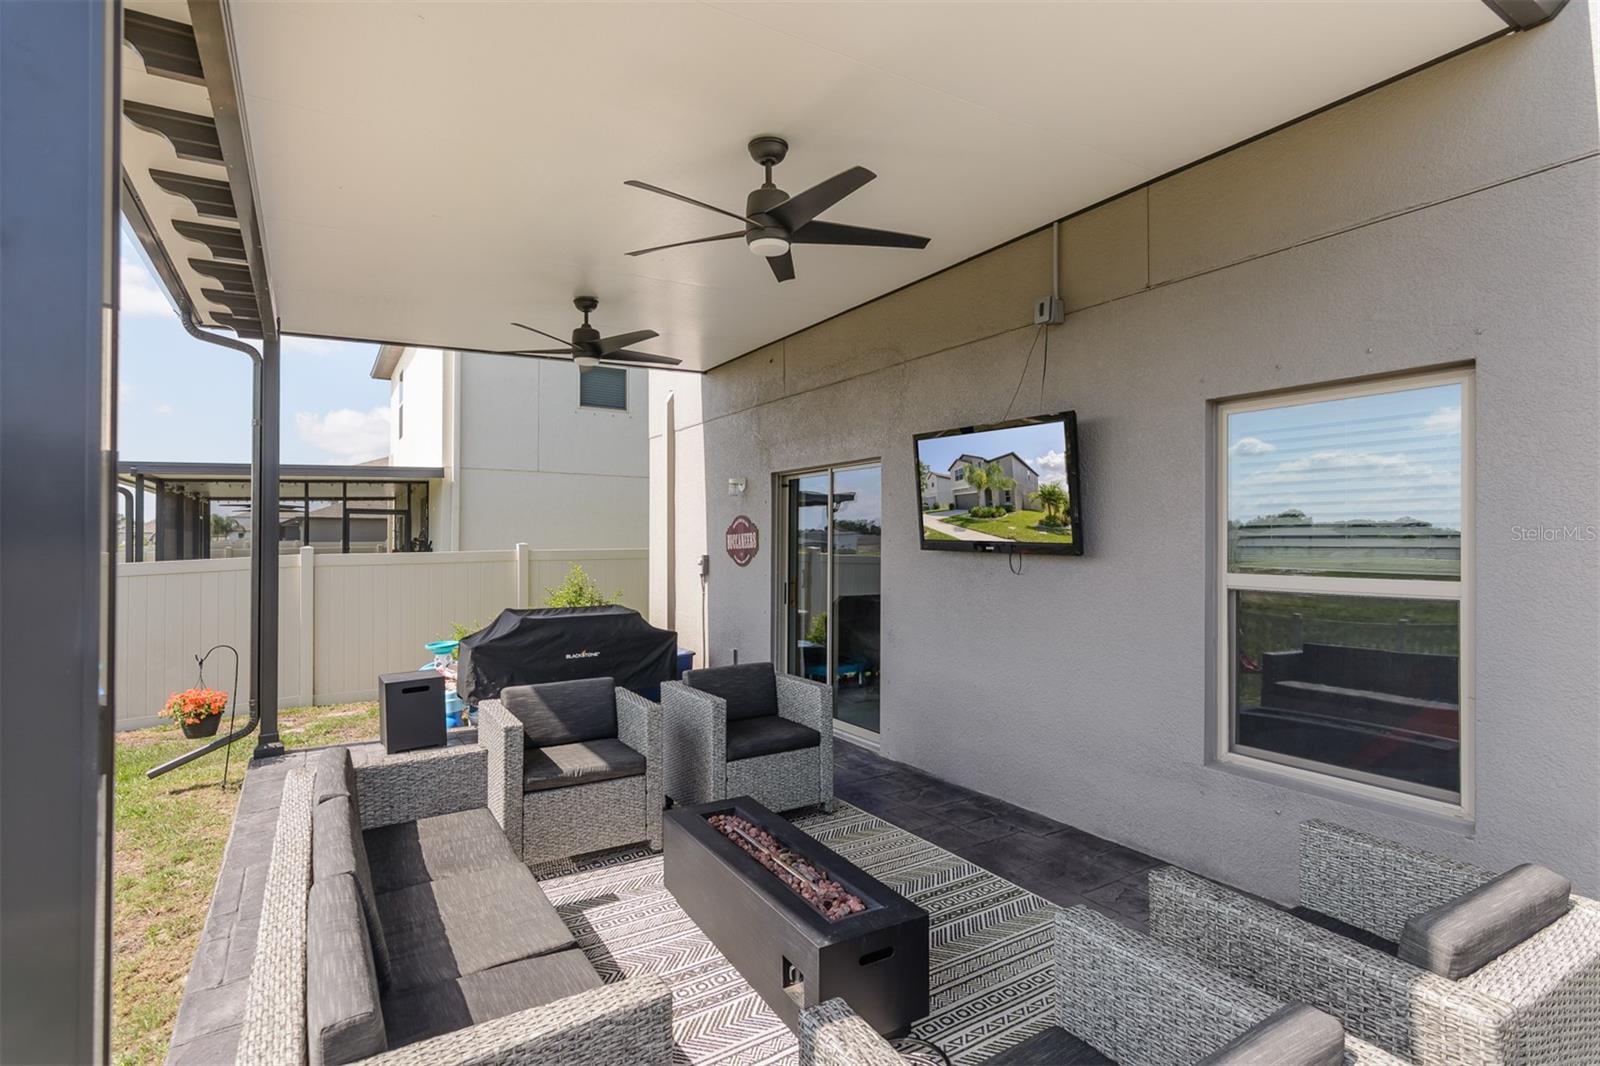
(831, 899)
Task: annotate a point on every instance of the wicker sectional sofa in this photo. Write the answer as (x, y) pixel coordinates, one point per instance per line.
(423, 941)
(1537, 1003)
(747, 730)
(1129, 997)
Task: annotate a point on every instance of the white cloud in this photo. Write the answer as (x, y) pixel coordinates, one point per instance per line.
(346, 435)
(1251, 446)
(1444, 420)
(164, 408)
(1052, 467)
(140, 296)
(1340, 484)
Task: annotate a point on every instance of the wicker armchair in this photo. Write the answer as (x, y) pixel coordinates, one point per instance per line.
(776, 745)
(1537, 1003)
(1129, 997)
(577, 811)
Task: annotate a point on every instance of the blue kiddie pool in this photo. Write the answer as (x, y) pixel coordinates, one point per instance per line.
(455, 709)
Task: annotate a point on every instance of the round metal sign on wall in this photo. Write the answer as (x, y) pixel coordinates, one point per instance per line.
(743, 540)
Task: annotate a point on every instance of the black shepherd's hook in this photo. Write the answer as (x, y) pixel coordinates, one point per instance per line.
(233, 698)
(227, 741)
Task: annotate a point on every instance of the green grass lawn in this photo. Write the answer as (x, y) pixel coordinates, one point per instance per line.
(170, 834)
(929, 533)
(1018, 525)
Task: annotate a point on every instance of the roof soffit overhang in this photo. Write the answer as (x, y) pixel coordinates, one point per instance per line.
(186, 178)
(399, 210)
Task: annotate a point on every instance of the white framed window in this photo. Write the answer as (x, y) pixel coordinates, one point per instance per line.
(604, 387)
(1344, 577)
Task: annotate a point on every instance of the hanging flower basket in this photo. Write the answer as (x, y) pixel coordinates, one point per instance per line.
(197, 710)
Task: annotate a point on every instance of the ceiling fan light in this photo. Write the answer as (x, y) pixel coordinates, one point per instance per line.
(769, 247)
(586, 360)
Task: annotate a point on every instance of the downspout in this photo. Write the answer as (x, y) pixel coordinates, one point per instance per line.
(255, 557)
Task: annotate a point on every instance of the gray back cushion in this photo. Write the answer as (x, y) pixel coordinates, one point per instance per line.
(1292, 1035)
(564, 712)
(344, 1019)
(751, 689)
(335, 774)
(1457, 938)
(337, 848)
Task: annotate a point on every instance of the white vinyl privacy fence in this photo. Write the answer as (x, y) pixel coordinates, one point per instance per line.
(342, 619)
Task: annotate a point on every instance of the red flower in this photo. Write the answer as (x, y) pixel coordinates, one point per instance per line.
(193, 706)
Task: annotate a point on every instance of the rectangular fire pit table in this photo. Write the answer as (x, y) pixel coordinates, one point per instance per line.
(875, 959)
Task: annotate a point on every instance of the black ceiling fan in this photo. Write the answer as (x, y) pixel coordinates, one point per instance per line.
(588, 348)
(774, 220)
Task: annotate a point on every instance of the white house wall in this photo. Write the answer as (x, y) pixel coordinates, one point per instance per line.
(1452, 216)
(422, 443)
(535, 467)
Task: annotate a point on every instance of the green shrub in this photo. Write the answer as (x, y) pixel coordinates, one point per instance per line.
(459, 632)
(578, 589)
(817, 628)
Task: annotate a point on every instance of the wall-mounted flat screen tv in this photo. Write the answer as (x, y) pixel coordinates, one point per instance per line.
(1007, 487)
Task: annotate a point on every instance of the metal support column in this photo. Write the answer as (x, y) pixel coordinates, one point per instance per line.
(58, 151)
(127, 522)
(264, 547)
(138, 512)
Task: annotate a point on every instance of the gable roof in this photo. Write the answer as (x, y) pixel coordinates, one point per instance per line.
(961, 460)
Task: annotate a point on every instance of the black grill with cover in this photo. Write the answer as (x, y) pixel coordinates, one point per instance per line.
(532, 646)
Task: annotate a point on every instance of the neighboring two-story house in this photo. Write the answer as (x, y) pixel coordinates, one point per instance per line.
(964, 497)
(537, 451)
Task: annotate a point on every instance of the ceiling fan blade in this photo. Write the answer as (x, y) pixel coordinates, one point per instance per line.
(627, 358)
(542, 333)
(801, 208)
(607, 345)
(859, 236)
(687, 199)
(680, 244)
(782, 266)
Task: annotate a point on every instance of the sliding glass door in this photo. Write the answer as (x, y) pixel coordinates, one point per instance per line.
(830, 590)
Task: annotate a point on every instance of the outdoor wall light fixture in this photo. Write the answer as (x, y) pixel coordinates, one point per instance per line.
(736, 486)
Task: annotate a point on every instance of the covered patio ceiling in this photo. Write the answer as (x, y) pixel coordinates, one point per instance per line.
(424, 173)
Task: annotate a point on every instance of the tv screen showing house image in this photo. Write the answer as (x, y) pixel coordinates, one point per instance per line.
(1007, 487)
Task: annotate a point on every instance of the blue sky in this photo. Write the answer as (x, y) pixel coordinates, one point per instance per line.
(1385, 456)
(185, 400)
(1044, 448)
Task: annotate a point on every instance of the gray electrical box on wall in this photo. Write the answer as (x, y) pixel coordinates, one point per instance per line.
(1049, 311)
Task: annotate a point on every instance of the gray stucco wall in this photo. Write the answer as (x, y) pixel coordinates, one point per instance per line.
(1450, 217)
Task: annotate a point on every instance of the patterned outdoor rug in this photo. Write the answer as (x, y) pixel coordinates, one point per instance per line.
(990, 977)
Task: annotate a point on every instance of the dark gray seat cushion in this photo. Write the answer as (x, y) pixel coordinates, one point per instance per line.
(584, 763)
(445, 1007)
(1457, 938)
(1051, 1046)
(564, 712)
(344, 1020)
(334, 774)
(750, 689)
(769, 735)
(430, 849)
(337, 848)
(460, 925)
(1292, 1035)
